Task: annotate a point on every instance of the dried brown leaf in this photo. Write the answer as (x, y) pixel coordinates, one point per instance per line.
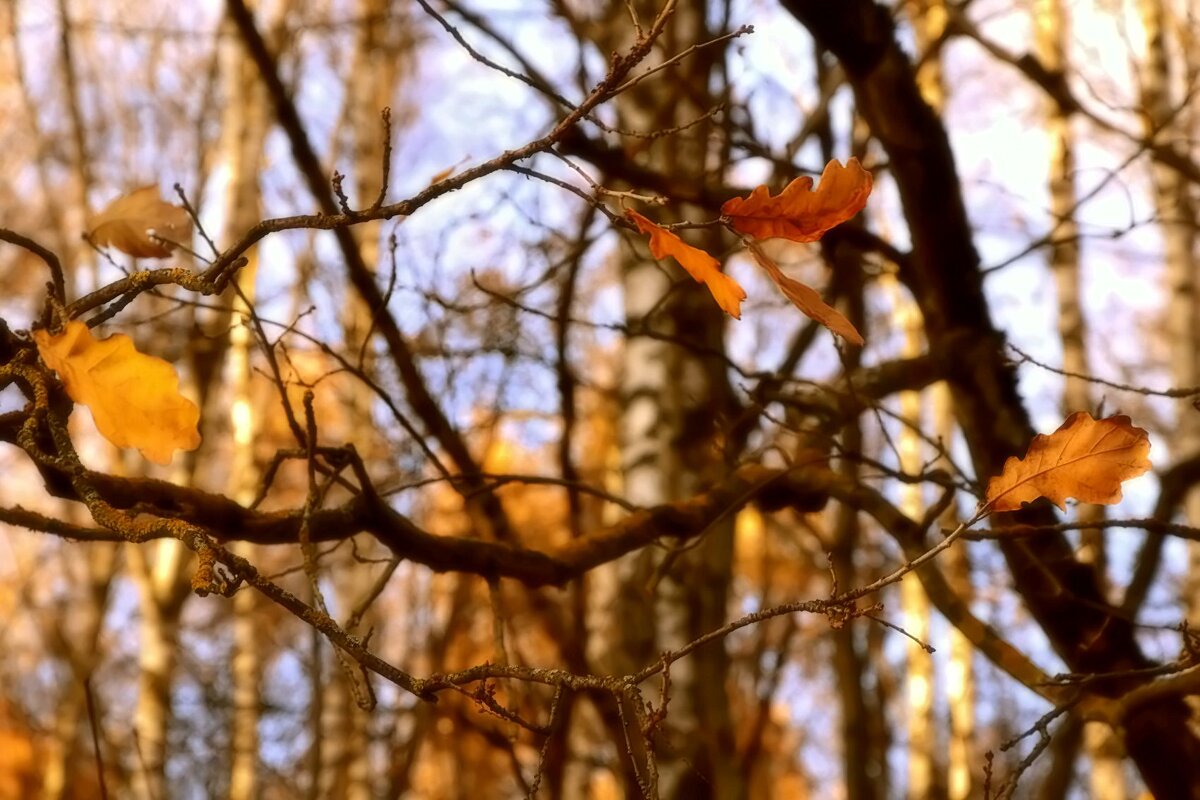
(806, 298)
(127, 222)
(798, 213)
(1085, 459)
(700, 265)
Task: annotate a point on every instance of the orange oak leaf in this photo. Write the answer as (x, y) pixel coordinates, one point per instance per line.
(134, 398)
(1085, 459)
(798, 213)
(700, 265)
(806, 298)
(128, 222)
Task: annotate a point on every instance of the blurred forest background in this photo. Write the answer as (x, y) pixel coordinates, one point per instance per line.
(571, 461)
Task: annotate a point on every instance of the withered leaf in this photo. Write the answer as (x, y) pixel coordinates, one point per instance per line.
(1085, 459)
(127, 222)
(699, 264)
(806, 298)
(798, 213)
(134, 398)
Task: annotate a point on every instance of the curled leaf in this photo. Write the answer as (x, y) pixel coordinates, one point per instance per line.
(128, 222)
(134, 398)
(798, 213)
(806, 298)
(699, 264)
(1085, 459)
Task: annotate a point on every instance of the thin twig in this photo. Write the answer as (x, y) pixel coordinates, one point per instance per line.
(1124, 387)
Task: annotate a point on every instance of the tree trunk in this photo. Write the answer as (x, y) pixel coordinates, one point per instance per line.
(245, 126)
(1176, 215)
(79, 631)
(673, 402)
(76, 642)
(919, 682)
(159, 569)
(1051, 24)
(375, 68)
(943, 273)
(929, 22)
(961, 759)
(864, 763)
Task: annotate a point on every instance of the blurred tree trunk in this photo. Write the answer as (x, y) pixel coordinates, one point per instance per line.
(381, 57)
(961, 760)
(344, 732)
(924, 771)
(76, 636)
(245, 126)
(159, 570)
(64, 236)
(1176, 215)
(78, 630)
(943, 273)
(380, 52)
(675, 401)
(246, 674)
(1063, 755)
(246, 658)
(75, 210)
(863, 728)
(864, 763)
(1052, 33)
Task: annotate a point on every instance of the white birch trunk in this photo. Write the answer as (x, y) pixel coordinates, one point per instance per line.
(244, 130)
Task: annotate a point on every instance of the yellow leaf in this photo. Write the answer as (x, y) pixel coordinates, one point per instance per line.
(806, 298)
(699, 264)
(1085, 459)
(798, 213)
(134, 398)
(127, 222)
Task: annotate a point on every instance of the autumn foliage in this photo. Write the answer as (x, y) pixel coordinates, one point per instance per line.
(141, 224)
(1085, 460)
(491, 504)
(700, 265)
(134, 398)
(806, 298)
(798, 214)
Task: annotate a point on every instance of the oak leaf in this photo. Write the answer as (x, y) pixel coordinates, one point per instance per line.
(134, 398)
(128, 222)
(699, 264)
(1085, 459)
(806, 298)
(798, 213)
